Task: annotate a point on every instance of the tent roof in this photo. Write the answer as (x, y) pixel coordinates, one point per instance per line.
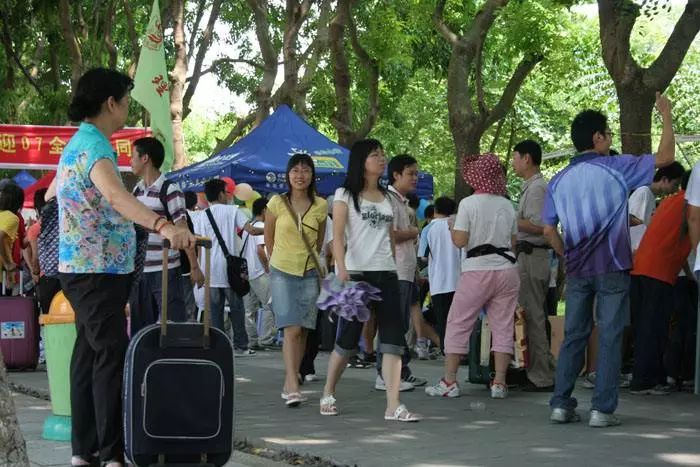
(260, 158)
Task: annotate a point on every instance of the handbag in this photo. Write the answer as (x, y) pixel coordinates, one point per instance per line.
(322, 272)
(236, 266)
(47, 242)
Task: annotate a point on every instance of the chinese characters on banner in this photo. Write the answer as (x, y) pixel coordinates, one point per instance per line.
(40, 147)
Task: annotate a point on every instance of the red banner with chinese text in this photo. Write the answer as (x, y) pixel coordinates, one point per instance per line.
(40, 147)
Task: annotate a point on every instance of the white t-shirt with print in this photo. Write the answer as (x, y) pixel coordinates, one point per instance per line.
(229, 219)
(692, 195)
(488, 219)
(251, 242)
(367, 238)
(443, 258)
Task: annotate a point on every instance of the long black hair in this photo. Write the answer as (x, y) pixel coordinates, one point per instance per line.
(94, 88)
(303, 159)
(355, 178)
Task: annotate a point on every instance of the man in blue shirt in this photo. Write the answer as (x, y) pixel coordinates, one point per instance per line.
(589, 199)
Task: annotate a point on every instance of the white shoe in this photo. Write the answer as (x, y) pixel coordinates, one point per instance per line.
(442, 389)
(499, 391)
(310, 378)
(422, 352)
(380, 386)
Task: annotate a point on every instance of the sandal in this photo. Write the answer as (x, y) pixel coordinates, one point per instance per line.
(294, 399)
(401, 414)
(328, 406)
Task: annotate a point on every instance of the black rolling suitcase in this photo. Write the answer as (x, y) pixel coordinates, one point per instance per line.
(178, 389)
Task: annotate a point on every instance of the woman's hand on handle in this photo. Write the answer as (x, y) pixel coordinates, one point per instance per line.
(180, 237)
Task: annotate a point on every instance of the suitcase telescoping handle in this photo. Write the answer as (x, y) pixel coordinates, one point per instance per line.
(200, 242)
(21, 281)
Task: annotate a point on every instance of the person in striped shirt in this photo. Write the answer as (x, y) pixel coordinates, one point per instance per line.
(145, 301)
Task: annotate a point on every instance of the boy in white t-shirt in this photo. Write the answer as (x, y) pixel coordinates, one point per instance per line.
(443, 263)
(486, 227)
(259, 279)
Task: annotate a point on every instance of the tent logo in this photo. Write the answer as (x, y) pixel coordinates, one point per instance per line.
(325, 162)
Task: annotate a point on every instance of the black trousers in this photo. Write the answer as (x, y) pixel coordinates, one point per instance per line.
(680, 353)
(46, 290)
(98, 362)
(651, 302)
(441, 307)
(313, 340)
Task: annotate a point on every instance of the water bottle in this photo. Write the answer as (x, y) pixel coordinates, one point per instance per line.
(477, 406)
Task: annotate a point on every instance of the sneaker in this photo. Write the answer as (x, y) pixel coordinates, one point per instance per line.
(380, 386)
(657, 390)
(371, 357)
(499, 391)
(256, 347)
(602, 420)
(560, 415)
(435, 353)
(589, 380)
(311, 378)
(356, 362)
(244, 352)
(442, 389)
(415, 381)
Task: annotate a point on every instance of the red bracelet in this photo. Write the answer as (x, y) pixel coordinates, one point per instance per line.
(155, 223)
(163, 225)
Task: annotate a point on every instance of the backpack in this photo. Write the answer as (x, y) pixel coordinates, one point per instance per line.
(47, 241)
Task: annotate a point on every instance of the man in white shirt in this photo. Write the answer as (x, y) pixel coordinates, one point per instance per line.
(259, 277)
(443, 263)
(403, 174)
(145, 300)
(692, 195)
(229, 219)
(642, 202)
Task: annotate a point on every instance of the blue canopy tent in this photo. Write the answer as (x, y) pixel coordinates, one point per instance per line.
(260, 158)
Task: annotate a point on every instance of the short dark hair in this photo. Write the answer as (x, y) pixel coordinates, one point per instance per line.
(685, 179)
(429, 211)
(398, 163)
(94, 88)
(445, 206)
(259, 206)
(532, 148)
(584, 126)
(11, 198)
(190, 200)
(213, 188)
(39, 201)
(153, 148)
(673, 171)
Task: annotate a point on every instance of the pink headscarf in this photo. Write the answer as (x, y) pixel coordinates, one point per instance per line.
(484, 173)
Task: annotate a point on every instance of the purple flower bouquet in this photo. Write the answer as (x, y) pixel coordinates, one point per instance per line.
(349, 300)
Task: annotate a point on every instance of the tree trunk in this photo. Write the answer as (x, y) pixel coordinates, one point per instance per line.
(637, 86)
(76, 55)
(13, 449)
(635, 120)
(177, 84)
(263, 95)
(470, 144)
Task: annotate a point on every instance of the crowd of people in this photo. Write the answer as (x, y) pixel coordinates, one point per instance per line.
(629, 266)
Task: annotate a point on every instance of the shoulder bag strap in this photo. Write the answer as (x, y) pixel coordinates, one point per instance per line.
(217, 232)
(163, 196)
(312, 252)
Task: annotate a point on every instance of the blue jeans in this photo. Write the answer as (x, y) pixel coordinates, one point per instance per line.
(611, 291)
(219, 296)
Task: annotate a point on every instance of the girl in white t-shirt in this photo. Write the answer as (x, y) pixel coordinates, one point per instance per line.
(363, 249)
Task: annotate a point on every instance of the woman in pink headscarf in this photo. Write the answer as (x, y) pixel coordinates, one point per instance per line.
(486, 228)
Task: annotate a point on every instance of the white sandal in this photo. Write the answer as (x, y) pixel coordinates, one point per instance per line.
(328, 406)
(294, 399)
(401, 414)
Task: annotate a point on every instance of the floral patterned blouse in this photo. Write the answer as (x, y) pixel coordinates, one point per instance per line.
(94, 238)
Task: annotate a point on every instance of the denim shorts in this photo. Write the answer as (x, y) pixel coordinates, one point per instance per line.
(294, 298)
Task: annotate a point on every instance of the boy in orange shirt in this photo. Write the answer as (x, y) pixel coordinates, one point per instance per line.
(661, 255)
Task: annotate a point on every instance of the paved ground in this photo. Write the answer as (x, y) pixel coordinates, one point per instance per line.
(456, 432)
